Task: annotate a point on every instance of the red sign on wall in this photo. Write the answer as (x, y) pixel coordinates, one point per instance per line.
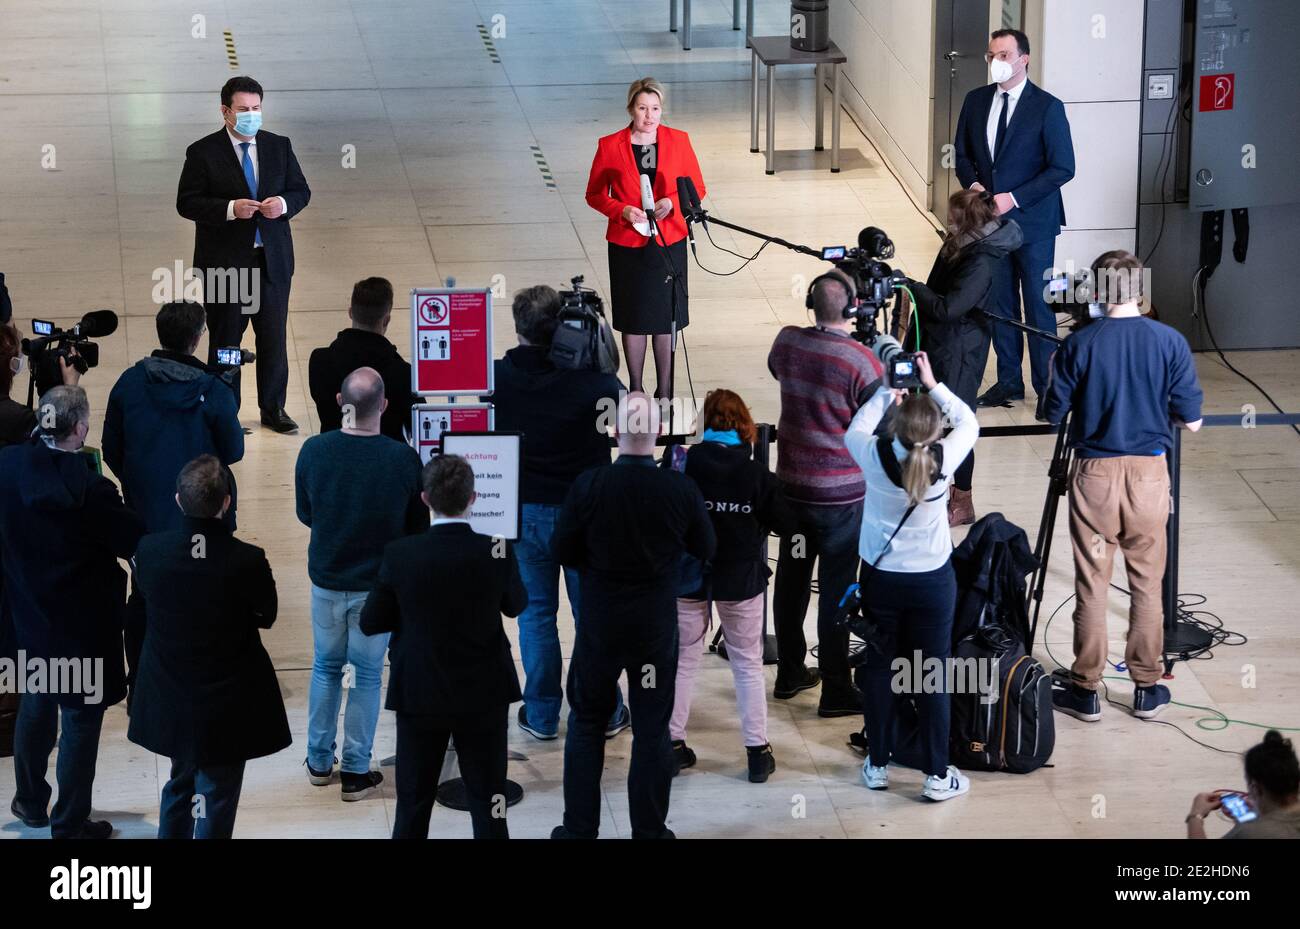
(451, 335)
(1217, 91)
(430, 420)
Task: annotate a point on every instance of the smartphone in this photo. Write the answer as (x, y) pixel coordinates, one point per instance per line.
(1238, 807)
(42, 327)
(230, 356)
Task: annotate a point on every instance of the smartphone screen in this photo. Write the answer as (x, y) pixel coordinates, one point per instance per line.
(1236, 806)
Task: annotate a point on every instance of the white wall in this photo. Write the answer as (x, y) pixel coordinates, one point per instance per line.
(888, 81)
(1090, 56)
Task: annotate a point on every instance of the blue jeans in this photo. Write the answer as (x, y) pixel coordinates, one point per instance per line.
(539, 640)
(219, 786)
(37, 729)
(1023, 270)
(338, 640)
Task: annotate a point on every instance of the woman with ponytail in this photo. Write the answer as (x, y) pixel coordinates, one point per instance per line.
(1272, 791)
(907, 582)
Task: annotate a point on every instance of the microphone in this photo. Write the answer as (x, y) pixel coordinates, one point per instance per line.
(687, 202)
(97, 323)
(648, 203)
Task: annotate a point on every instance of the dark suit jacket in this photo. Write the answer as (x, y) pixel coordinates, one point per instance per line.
(213, 176)
(62, 529)
(358, 348)
(441, 594)
(205, 691)
(1037, 157)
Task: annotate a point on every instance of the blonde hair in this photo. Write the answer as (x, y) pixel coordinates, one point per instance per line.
(917, 424)
(646, 85)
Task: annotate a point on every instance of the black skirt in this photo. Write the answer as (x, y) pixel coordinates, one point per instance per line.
(641, 287)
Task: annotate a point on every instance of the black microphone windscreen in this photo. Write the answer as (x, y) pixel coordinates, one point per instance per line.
(98, 323)
(684, 195)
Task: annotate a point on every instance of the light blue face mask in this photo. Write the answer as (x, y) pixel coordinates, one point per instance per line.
(248, 122)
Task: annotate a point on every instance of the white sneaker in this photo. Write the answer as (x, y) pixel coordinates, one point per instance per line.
(875, 778)
(951, 784)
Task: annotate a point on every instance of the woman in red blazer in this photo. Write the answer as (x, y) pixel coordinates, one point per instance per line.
(641, 269)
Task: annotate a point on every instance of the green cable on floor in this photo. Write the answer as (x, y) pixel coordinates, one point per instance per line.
(1220, 720)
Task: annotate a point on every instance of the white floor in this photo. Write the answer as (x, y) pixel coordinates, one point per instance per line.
(99, 101)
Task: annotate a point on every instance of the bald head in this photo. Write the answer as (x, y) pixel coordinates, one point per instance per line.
(362, 396)
(638, 423)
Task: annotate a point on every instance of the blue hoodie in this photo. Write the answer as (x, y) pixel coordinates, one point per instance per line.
(163, 413)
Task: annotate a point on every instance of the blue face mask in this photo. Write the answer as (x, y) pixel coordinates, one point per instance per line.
(247, 123)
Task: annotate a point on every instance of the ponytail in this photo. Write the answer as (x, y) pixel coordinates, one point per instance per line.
(918, 472)
(1273, 766)
(917, 425)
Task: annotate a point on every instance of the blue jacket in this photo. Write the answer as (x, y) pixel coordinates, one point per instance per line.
(1037, 157)
(163, 413)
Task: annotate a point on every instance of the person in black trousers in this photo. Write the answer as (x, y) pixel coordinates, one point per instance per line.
(625, 527)
(63, 528)
(240, 187)
(206, 695)
(952, 307)
(452, 674)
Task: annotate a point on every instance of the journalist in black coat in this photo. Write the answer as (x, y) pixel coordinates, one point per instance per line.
(245, 228)
(206, 694)
(441, 595)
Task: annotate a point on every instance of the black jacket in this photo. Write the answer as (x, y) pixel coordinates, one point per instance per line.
(441, 594)
(991, 565)
(953, 334)
(62, 530)
(205, 691)
(357, 348)
(745, 503)
(16, 422)
(625, 527)
(213, 176)
(163, 412)
(558, 411)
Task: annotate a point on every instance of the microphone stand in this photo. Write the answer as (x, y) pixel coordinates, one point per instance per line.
(674, 277)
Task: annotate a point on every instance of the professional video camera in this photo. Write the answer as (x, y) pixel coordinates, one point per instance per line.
(583, 340)
(1074, 292)
(52, 343)
(876, 282)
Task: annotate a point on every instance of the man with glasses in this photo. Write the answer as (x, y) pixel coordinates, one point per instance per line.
(1013, 139)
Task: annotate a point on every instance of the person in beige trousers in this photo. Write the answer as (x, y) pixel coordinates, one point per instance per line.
(1127, 381)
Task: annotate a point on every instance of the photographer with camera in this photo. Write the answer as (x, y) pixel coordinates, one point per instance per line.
(1126, 382)
(825, 376)
(950, 312)
(908, 586)
(63, 528)
(165, 411)
(557, 410)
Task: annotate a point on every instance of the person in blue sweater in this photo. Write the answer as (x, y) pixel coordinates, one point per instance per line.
(358, 490)
(1127, 383)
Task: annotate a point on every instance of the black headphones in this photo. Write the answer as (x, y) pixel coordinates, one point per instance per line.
(835, 274)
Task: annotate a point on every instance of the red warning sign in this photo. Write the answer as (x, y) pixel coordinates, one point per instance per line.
(451, 335)
(1217, 91)
(429, 421)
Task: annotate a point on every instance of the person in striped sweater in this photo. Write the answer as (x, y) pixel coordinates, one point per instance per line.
(825, 376)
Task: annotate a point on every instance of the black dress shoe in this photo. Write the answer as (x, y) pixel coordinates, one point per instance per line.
(92, 829)
(839, 699)
(1001, 395)
(278, 420)
(800, 679)
(31, 820)
(1038, 410)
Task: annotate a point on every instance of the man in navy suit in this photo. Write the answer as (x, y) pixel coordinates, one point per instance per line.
(241, 186)
(1013, 139)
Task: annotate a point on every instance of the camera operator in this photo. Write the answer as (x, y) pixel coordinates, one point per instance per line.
(1127, 381)
(825, 376)
(164, 412)
(951, 307)
(17, 421)
(62, 529)
(556, 409)
(907, 581)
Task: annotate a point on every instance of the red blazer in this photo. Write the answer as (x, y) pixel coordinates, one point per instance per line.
(615, 183)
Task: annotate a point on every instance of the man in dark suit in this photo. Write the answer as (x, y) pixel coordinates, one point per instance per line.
(1013, 140)
(62, 529)
(241, 186)
(363, 346)
(206, 695)
(451, 673)
(625, 527)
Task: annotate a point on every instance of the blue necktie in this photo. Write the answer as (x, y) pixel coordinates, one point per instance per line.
(251, 179)
(997, 139)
